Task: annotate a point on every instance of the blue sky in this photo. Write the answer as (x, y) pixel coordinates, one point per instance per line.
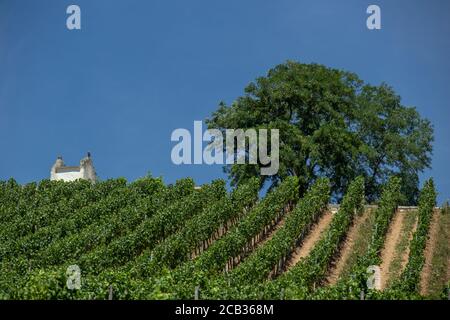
(140, 69)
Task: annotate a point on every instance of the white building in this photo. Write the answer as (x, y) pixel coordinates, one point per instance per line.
(85, 171)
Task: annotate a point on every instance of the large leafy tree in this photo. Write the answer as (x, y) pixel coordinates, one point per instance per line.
(331, 124)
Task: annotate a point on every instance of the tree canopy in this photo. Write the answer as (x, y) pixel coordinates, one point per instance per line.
(331, 124)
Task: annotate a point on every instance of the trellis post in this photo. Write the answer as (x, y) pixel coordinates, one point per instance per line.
(196, 292)
(282, 294)
(110, 293)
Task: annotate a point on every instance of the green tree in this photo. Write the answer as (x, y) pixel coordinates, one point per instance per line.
(331, 125)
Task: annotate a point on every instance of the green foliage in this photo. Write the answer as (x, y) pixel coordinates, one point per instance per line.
(302, 277)
(446, 292)
(234, 243)
(440, 261)
(331, 124)
(164, 223)
(410, 278)
(146, 240)
(120, 216)
(351, 286)
(383, 215)
(262, 214)
(35, 207)
(260, 263)
(83, 208)
(197, 232)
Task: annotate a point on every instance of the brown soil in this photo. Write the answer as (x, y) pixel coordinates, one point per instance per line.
(346, 250)
(388, 252)
(429, 250)
(314, 235)
(405, 255)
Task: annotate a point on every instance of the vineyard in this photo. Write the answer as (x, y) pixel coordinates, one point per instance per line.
(150, 240)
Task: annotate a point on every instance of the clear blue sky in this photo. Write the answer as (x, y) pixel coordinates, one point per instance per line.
(139, 69)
